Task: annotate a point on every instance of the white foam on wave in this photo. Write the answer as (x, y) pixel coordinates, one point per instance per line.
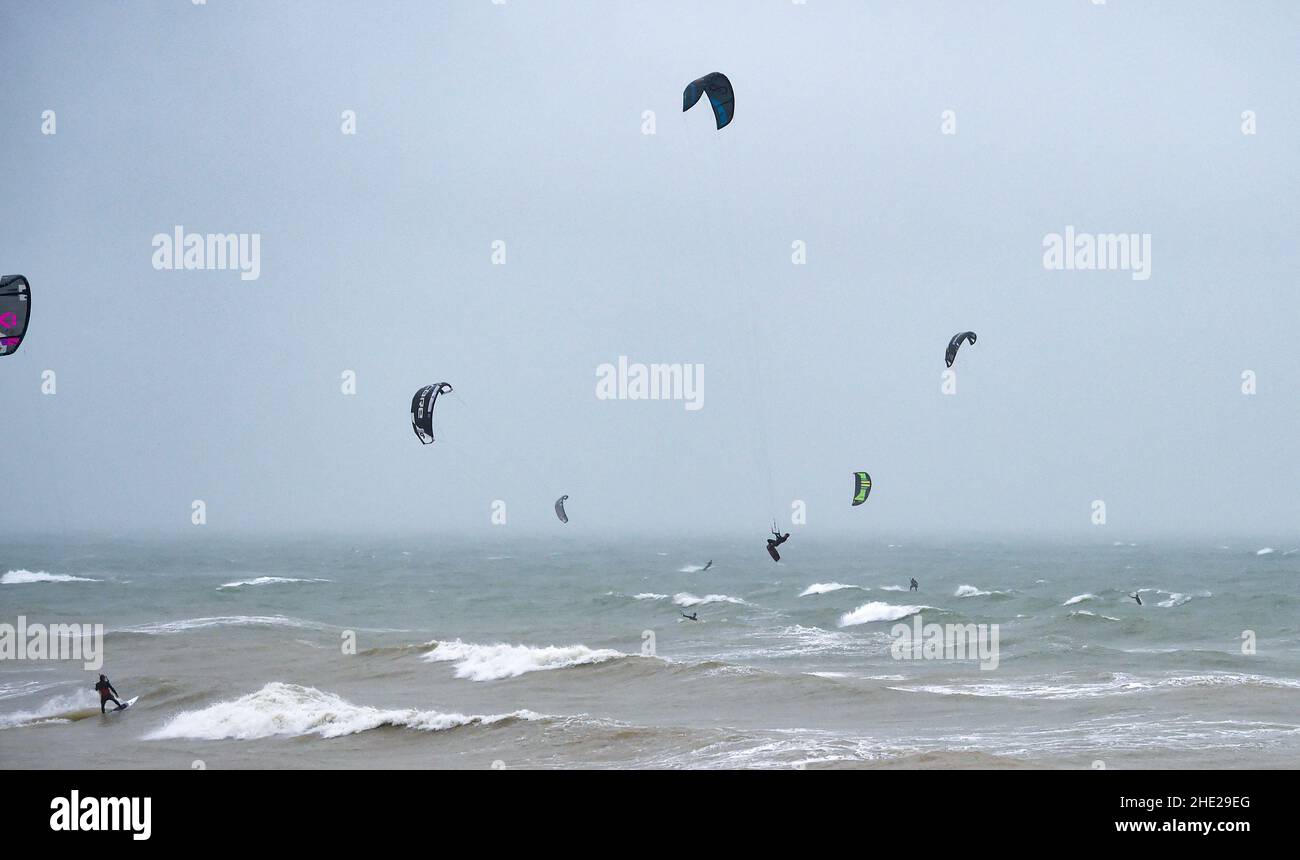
(159, 628)
(1268, 550)
(27, 577)
(12, 689)
(799, 641)
(1177, 598)
(1087, 614)
(893, 588)
(878, 611)
(267, 580)
(59, 709)
(827, 588)
(280, 709)
(494, 662)
(691, 568)
(685, 598)
(649, 595)
(1079, 598)
(1117, 684)
(970, 591)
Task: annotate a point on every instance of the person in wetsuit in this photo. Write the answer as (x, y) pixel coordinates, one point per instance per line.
(1136, 597)
(775, 541)
(694, 616)
(107, 694)
(915, 585)
(707, 566)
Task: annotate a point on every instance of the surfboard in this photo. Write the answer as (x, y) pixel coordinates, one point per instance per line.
(128, 703)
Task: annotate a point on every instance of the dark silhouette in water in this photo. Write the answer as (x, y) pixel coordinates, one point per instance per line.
(773, 544)
(1136, 597)
(707, 566)
(915, 585)
(694, 616)
(107, 694)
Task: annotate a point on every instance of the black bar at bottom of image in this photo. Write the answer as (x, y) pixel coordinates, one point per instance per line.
(305, 808)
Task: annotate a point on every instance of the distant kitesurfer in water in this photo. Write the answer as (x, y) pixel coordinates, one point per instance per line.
(694, 616)
(915, 585)
(775, 541)
(707, 566)
(1136, 597)
(107, 694)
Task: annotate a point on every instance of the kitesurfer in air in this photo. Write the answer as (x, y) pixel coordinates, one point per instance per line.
(1136, 597)
(915, 585)
(775, 541)
(107, 694)
(694, 616)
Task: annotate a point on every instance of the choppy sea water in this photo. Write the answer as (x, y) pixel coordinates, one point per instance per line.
(524, 655)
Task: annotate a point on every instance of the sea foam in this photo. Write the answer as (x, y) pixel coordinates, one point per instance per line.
(26, 577)
(159, 628)
(684, 598)
(494, 662)
(826, 588)
(280, 709)
(267, 580)
(878, 611)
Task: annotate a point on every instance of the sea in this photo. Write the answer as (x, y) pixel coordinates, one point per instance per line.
(427, 652)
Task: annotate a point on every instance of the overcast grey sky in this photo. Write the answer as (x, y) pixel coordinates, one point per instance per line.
(523, 122)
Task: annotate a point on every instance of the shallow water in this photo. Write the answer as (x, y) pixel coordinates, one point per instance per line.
(522, 655)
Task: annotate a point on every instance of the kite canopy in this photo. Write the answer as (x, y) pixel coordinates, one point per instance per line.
(720, 95)
(955, 344)
(861, 487)
(422, 410)
(15, 311)
(559, 509)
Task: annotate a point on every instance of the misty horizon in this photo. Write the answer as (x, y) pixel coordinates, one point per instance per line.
(478, 124)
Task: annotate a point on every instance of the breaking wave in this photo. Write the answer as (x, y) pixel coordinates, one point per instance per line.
(878, 611)
(27, 577)
(494, 662)
(280, 709)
